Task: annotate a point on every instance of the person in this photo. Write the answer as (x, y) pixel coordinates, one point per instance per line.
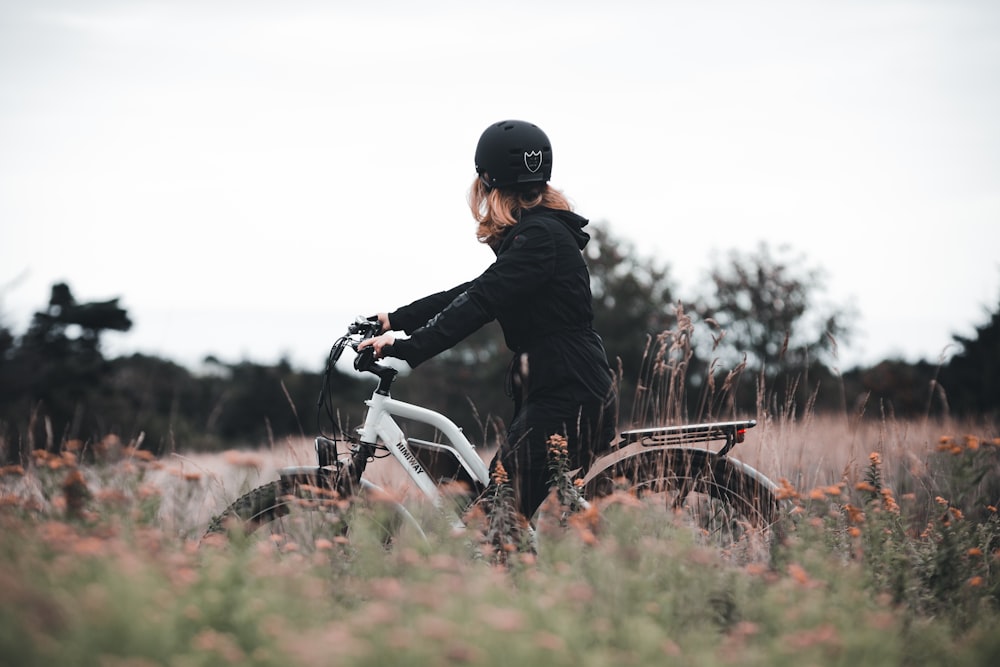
(538, 289)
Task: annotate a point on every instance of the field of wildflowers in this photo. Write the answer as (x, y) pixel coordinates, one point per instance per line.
(887, 552)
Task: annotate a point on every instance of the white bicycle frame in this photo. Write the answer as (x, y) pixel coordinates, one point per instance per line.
(380, 426)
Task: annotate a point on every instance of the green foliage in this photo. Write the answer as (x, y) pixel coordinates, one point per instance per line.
(931, 550)
(852, 583)
(567, 494)
(503, 530)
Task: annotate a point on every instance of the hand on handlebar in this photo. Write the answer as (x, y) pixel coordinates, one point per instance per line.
(383, 320)
(378, 344)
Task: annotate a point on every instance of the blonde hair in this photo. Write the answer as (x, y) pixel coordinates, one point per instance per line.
(496, 209)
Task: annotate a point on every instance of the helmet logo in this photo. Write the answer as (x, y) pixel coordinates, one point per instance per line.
(533, 160)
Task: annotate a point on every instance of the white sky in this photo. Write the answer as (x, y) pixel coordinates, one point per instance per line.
(248, 176)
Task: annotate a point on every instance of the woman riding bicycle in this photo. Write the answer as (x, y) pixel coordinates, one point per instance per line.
(538, 289)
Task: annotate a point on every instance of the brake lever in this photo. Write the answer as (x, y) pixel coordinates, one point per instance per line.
(366, 326)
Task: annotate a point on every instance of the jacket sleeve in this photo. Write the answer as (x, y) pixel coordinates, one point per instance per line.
(415, 315)
(524, 264)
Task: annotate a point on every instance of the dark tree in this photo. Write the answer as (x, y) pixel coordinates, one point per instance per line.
(49, 373)
(895, 387)
(972, 377)
(765, 310)
(767, 307)
(632, 297)
(6, 344)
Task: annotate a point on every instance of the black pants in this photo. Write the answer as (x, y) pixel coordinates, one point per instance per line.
(589, 429)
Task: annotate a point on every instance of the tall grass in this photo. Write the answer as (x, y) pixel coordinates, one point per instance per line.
(887, 569)
(888, 552)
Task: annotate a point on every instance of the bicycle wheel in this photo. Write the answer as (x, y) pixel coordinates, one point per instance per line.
(728, 503)
(297, 516)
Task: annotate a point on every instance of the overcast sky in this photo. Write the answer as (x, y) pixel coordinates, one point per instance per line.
(248, 176)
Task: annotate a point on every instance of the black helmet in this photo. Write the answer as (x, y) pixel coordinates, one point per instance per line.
(512, 152)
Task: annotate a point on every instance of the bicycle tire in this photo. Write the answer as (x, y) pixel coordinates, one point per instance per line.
(296, 517)
(306, 514)
(727, 499)
(251, 510)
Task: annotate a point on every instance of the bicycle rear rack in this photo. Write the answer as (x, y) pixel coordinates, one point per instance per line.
(732, 432)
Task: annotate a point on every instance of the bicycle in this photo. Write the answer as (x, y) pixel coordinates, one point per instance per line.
(725, 498)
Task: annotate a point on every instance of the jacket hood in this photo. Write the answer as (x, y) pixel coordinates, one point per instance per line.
(575, 223)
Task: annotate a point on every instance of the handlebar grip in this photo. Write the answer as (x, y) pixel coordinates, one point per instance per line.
(365, 360)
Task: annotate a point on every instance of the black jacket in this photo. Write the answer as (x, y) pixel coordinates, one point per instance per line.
(539, 290)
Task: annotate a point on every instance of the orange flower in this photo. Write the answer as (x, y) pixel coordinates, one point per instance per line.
(889, 501)
(854, 531)
(976, 581)
(240, 459)
(500, 475)
(75, 490)
(785, 490)
(975, 551)
(864, 486)
(854, 515)
(141, 454)
(799, 574)
(557, 444)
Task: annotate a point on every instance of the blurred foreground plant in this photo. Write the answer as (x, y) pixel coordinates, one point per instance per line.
(935, 548)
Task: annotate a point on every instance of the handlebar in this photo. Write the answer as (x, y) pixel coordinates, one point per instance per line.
(358, 331)
(367, 327)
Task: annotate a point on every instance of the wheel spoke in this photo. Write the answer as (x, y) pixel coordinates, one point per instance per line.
(722, 501)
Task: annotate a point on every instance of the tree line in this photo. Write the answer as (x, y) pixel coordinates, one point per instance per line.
(757, 339)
